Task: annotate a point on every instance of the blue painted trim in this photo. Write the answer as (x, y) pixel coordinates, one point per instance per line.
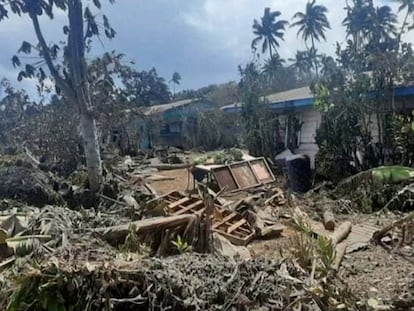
(293, 103)
(304, 102)
(232, 109)
(404, 91)
(280, 105)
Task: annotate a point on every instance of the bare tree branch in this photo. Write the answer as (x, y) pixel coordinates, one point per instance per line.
(45, 50)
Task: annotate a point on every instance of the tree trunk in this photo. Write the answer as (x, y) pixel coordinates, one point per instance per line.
(77, 67)
(402, 30)
(76, 88)
(328, 220)
(270, 51)
(315, 58)
(341, 232)
(92, 153)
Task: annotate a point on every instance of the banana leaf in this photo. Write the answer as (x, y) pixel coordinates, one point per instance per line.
(391, 174)
(378, 176)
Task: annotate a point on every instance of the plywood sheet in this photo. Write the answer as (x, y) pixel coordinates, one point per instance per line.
(225, 179)
(262, 171)
(244, 175)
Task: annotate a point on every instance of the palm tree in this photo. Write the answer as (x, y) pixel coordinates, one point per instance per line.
(367, 24)
(302, 64)
(312, 24)
(383, 23)
(176, 78)
(357, 22)
(328, 65)
(269, 30)
(272, 67)
(405, 5)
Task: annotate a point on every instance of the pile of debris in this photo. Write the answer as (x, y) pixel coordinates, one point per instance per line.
(186, 282)
(132, 249)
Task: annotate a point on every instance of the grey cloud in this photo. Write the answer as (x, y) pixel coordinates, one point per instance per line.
(204, 40)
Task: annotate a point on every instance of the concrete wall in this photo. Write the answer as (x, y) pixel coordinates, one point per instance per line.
(311, 120)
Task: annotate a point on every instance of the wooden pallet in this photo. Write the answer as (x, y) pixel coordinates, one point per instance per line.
(230, 224)
(179, 204)
(233, 226)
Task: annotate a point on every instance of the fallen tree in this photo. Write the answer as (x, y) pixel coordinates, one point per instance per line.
(117, 234)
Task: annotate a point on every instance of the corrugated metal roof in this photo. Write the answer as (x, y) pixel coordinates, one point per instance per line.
(162, 108)
(300, 93)
(281, 97)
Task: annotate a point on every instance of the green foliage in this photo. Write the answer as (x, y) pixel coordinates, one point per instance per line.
(402, 132)
(325, 250)
(302, 243)
(345, 124)
(226, 156)
(306, 250)
(182, 246)
(391, 174)
(132, 241)
(303, 249)
(261, 128)
(261, 124)
(42, 294)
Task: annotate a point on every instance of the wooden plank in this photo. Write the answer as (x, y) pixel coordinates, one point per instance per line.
(268, 169)
(178, 203)
(261, 172)
(236, 225)
(244, 175)
(234, 177)
(116, 235)
(243, 230)
(236, 240)
(189, 207)
(262, 163)
(225, 219)
(224, 178)
(254, 173)
(167, 195)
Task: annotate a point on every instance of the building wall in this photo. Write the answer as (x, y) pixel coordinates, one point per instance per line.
(311, 119)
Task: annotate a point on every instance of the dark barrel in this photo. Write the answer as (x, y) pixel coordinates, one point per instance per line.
(299, 173)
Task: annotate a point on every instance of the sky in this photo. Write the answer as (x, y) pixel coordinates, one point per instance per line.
(203, 40)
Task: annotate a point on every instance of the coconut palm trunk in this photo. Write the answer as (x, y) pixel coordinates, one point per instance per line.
(315, 60)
